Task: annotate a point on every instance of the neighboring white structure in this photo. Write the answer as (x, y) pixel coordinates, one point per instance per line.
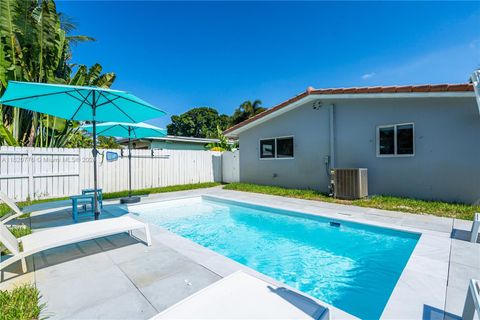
(420, 141)
(170, 143)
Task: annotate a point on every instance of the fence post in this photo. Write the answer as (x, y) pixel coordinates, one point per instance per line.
(31, 193)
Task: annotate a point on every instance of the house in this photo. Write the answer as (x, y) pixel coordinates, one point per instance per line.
(170, 142)
(420, 141)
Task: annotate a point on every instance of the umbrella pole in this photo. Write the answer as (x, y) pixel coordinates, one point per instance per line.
(95, 152)
(130, 199)
(129, 164)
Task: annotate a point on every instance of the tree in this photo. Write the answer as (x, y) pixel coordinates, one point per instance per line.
(80, 139)
(245, 111)
(198, 122)
(84, 140)
(108, 143)
(35, 45)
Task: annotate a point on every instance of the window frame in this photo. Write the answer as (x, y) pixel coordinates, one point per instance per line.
(260, 148)
(275, 157)
(395, 155)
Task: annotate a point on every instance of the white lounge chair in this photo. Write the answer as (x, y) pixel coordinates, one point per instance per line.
(59, 236)
(475, 227)
(472, 302)
(242, 296)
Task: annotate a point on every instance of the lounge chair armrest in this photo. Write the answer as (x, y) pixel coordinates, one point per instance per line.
(12, 216)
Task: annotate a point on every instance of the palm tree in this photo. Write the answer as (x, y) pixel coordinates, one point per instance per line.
(35, 45)
(245, 111)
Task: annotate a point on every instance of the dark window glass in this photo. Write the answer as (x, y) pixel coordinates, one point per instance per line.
(285, 147)
(405, 139)
(386, 143)
(267, 148)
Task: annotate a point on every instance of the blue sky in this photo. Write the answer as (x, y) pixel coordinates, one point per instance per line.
(179, 55)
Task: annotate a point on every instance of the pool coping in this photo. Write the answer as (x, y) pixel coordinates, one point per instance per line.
(421, 285)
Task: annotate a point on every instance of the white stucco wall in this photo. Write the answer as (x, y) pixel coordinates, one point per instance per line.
(446, 164)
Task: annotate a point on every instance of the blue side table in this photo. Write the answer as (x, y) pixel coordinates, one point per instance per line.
(82, 198)
(99, 195)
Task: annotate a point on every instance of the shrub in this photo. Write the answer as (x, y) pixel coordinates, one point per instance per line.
(21, 303)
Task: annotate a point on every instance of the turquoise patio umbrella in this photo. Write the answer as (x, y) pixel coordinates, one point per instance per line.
(82, 104)
(128, 130)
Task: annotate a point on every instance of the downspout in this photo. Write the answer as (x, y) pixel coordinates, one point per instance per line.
(332, 136)
(476, 86)
(331, 160)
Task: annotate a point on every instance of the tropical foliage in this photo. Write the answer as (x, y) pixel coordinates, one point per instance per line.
(35, 46)
(223, 144)
(206, 122)
(245, 111)
(198, 122)
(82, 139)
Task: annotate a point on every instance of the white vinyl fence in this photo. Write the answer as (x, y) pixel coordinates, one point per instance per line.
(36, 173)
(231, 166)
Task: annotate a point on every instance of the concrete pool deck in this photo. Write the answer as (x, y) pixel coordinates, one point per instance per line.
(118, 277)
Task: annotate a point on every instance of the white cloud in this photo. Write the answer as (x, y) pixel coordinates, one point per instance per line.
(445, 65)
(475, 44)
(367, 76)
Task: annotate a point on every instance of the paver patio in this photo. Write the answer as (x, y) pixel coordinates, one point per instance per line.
(118, 277)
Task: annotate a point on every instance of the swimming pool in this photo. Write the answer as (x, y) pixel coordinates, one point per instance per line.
(351, 266)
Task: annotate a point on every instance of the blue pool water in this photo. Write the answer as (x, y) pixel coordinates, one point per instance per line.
(352, 266)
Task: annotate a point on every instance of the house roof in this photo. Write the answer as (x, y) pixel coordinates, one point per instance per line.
(431, 90)
(177, 139)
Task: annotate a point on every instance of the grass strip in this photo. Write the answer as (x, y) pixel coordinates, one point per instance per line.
(437, 208)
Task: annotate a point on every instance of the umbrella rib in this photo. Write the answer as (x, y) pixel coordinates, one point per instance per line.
(108, 128)
(80, 94)
(120, 109)
(108, 101)
(37, 96)
(121, 125)
(83, 101)
(140, 103)
(126, 128)
(78, 109)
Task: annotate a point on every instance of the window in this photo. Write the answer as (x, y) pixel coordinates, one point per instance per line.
(386, 136)
(267, 148)
(395, 140)
(276, 148)
(285, 147)
(405, 139)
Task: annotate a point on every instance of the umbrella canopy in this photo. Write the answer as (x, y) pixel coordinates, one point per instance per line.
(80, 103)
(127, 130)
(77, 103)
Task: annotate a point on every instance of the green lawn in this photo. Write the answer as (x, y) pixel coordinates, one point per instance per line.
(4, 209)
(180, 187)
(21, 303)
(437, 208)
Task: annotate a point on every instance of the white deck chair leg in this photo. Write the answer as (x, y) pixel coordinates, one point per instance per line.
(147, 234)
(24, 265)
(472, 301)
(475, 228)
